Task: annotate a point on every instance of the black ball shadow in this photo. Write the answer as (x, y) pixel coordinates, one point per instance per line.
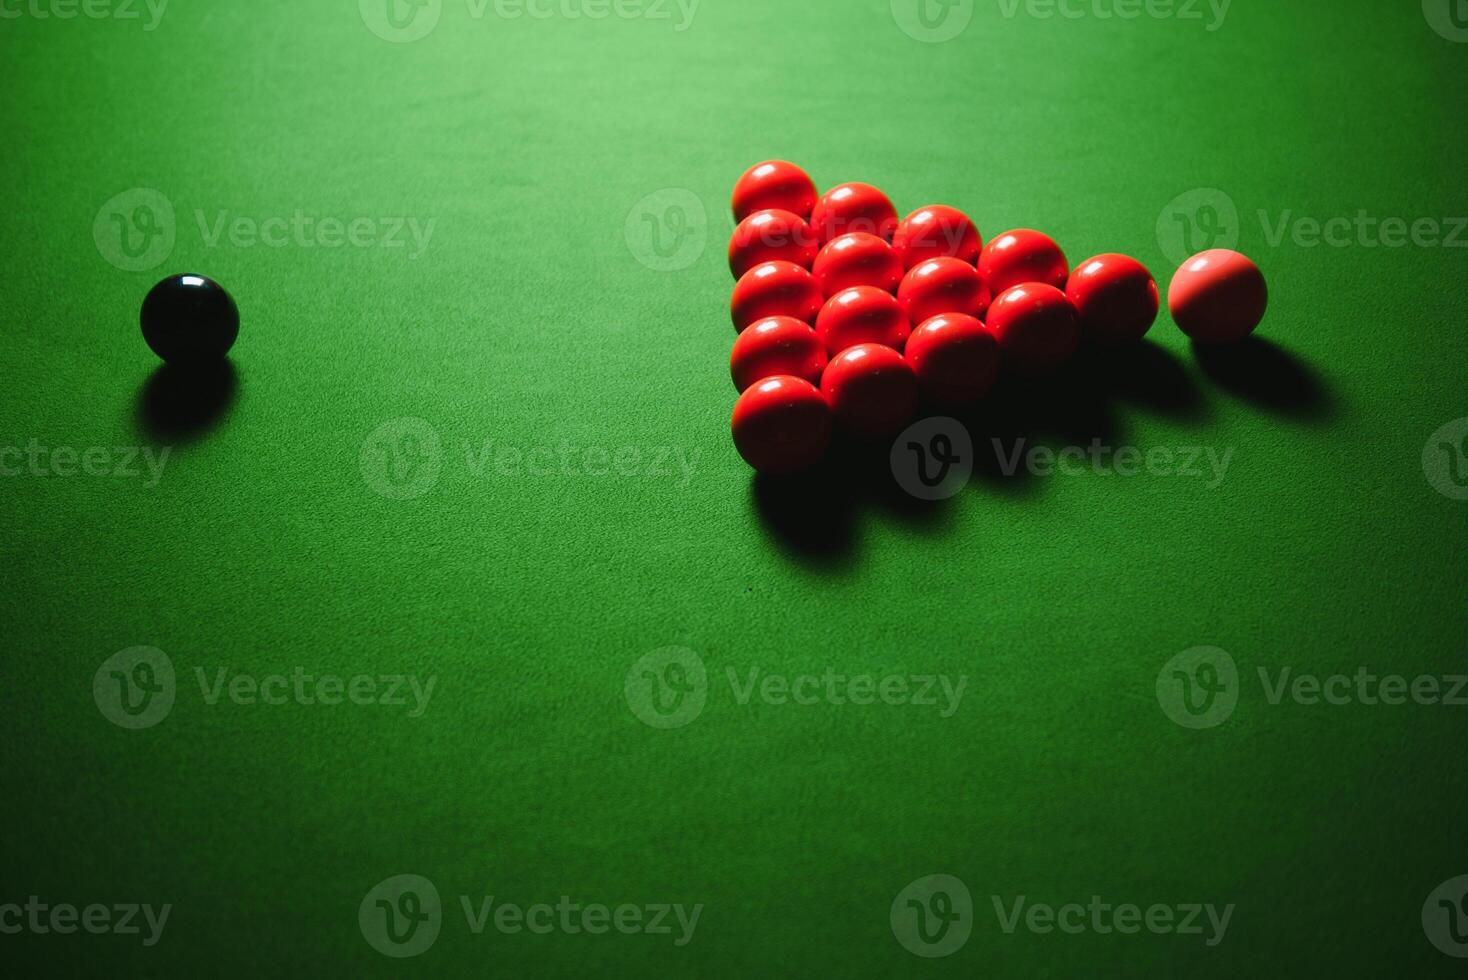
(185, 402)
(1268, 376)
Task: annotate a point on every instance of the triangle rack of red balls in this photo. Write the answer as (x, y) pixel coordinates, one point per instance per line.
(849, 317)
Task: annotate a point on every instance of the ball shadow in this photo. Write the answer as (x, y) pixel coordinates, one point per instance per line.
(181, 403)
(1268, 376)
(811, 515)
(1149, 376)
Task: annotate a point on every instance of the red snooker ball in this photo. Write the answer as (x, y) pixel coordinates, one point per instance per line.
(940, 286)
(1018, 257)
(861, 315)
(774, 185)
(955, 357)
(1115, 297)
(775, 289)
(1218, 296)
(871, 389)
(778, 345)
(937, 232)
(771, 236)
(781, 425)
(857, 259)
(1036, 327)
(854, 207)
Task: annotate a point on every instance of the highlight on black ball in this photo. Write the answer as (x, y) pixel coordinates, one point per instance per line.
(190, 319)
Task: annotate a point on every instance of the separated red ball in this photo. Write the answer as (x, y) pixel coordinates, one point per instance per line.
(937, 232)
(872, 390)
(1115, 297)
(861, 315)
(1021, 256)
(857, 259)
(775, 289)
(782, 425)
(778, 345)
(774, 185)
(940, 286)
(1036, 327)
(955, 357)
(854, 207)
(771, 236)
(1218, 296)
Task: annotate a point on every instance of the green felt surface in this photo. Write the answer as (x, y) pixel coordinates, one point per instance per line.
(541, 313)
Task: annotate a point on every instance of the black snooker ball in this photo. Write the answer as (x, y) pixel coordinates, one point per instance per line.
(190, 319)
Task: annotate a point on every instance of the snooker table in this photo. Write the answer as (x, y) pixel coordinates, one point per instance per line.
(442, 629)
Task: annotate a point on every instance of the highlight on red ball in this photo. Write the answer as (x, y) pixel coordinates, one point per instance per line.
(937, 232)
(854, 207)
(1020, 256)
(775, 289)
(856, 259)
(771, 236)
(781, 425)
(774, 185)
(1115, 298)
(1218, 297)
